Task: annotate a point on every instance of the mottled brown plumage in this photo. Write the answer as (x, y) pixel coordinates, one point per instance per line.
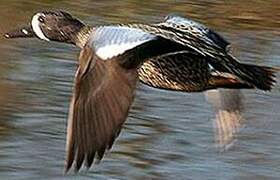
(177, 54)
(215, 54)
(184, 71)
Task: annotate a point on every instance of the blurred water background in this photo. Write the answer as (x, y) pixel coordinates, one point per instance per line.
(168, 135)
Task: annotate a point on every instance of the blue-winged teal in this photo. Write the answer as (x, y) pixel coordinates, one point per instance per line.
(177, 54)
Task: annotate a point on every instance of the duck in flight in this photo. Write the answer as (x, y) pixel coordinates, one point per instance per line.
(175, 54)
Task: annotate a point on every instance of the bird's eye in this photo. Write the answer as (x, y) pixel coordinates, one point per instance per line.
(41, 19)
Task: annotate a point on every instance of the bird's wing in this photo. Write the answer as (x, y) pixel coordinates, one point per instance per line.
(199, 30)
(228, 106)
(112, 41)
(130, 45)
(192, 35)
(103, 94)
(173, 35)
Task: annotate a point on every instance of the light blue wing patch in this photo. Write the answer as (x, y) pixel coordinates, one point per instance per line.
(111, 41)
(199, 29)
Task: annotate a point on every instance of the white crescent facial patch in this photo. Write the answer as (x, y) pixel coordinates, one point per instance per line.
(35, 23)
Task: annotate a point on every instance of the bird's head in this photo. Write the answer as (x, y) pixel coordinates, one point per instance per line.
(50, 26)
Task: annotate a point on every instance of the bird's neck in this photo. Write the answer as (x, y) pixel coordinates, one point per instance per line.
(82, 36)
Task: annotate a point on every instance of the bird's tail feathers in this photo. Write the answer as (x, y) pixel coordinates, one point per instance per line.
(261, 77)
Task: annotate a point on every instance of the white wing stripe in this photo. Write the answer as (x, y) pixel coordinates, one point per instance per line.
(112, 50)
(111, 41)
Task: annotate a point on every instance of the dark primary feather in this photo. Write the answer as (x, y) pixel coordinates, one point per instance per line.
(102, 97)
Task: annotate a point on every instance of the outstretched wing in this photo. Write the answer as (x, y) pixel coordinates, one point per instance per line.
(197, 29)
(151, 40)
(130, 45)
(103, 94)
(190, 34)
